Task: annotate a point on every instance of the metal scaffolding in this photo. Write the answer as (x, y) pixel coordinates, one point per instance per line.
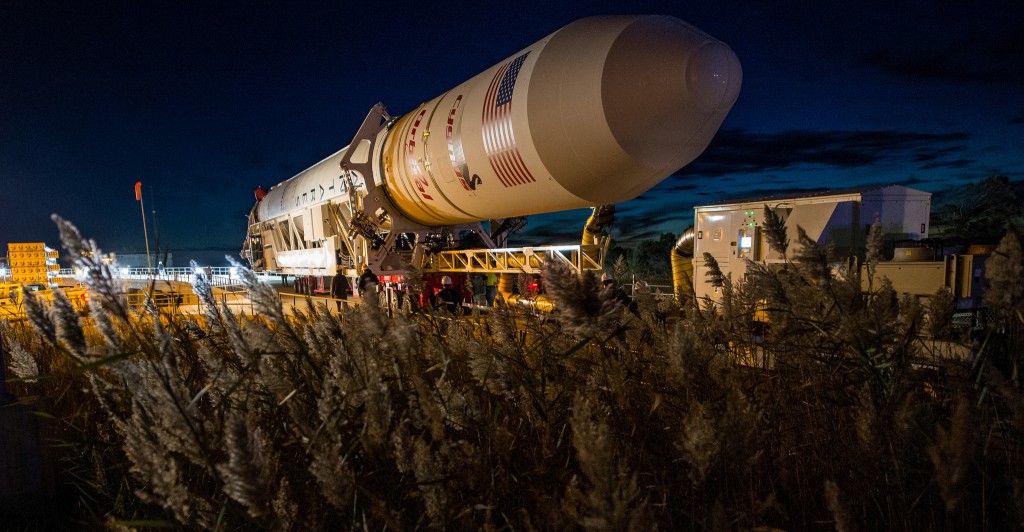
(513, 260)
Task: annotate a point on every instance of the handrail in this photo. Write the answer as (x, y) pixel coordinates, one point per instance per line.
(512, 260)
(219, 276)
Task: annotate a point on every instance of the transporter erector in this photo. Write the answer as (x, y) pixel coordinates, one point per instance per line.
(594, 114)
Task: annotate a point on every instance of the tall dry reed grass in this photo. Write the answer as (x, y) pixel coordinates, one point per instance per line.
(592, 418)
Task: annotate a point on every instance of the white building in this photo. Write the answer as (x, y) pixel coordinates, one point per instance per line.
(732, 232)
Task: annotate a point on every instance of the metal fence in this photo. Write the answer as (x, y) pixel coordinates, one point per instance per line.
(219, 276)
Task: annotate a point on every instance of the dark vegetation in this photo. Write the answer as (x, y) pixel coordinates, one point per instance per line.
(647, 259)
(836, 416)
(978, 212)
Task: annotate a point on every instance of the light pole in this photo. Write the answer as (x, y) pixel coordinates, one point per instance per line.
(145, 234)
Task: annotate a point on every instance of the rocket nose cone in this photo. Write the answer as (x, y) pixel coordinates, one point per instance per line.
(617, 104)
(666, 88)
(713, 76)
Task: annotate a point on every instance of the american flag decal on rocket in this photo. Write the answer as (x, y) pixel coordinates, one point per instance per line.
(499, 141)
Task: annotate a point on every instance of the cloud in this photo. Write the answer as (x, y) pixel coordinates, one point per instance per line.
(552, 229)
(956, 163)
(636, 223)
(932, 154)
(929, 65)
(679, 188)
(980, 57)
(631, 223)
(737, 151)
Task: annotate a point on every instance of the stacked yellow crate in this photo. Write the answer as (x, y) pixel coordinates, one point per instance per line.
(29, 262)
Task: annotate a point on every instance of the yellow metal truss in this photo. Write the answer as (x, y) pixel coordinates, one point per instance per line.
(513, 260)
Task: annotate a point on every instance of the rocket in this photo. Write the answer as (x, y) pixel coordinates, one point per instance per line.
(596, 113)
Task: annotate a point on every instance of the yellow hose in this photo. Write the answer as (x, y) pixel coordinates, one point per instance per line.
(601, 217)
(507, 282)
(682, 267)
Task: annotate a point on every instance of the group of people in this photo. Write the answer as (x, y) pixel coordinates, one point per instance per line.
(485, 289)
(451, 297)
(483, 286)
(340, 287)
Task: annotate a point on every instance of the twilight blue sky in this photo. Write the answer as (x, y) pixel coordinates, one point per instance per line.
(203, 101)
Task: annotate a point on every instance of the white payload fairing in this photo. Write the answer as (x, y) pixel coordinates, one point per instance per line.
(596, 113)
